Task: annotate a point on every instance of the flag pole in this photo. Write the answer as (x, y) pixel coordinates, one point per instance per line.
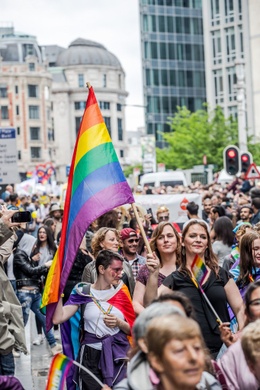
(148, 248)
(206, 299)
(210, 305)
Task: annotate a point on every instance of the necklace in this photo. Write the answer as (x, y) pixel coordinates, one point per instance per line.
(97, 302)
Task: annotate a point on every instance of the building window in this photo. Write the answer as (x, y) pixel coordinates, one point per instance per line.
(35, 152)
(216, 44)
(119, 107)
(4, 112)
(51, 135)
(229, 11)
(3, 92)
(35, 133)
(241, 41)
(230, 44)
(119, 81)
(18, 130)
(163, 50)
(215, 14)
(19, 154)
(164, 77)
(180, 52)
(27, 50)
(34, 112)
(32, 91)
(119, 129)
(219, 91)
(17, 110)
(16, 89)
(161, 23)
(121, 153)
(233, 111)
(104, 80)
(196, 26)
(240, 16)
(79, 105)
(81, 80)
(31, 66)
(232, 80)
(104, 105)
(107, 121)
(77, 124)
(48, 112)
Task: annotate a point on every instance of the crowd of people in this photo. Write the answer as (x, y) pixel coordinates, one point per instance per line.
(140, 318)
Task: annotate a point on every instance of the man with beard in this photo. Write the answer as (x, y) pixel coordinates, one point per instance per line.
(246, 213)
(129, 247)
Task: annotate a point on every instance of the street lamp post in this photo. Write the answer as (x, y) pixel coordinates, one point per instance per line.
(241, 105)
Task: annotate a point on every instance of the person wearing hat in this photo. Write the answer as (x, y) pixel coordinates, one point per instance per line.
(129, 247)
(43, 209)
(56, 213)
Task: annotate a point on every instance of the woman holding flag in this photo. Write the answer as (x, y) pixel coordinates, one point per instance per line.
(106, 309)
(199, 276)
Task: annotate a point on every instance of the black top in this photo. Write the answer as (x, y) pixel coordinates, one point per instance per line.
(214, 289)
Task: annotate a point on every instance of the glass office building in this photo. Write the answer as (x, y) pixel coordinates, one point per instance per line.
(172, 60)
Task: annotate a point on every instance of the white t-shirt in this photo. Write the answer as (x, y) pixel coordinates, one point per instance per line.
(93, 316)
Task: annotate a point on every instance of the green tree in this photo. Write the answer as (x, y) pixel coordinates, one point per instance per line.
(129, 170)
(195, 135)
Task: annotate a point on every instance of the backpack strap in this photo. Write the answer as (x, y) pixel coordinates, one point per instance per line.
(86, 291)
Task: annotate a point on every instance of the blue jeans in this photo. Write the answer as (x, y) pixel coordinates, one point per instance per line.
(31, 301)
(13, 283)
(7, 364)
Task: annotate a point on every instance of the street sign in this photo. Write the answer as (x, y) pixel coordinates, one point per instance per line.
(8, 156)
(252, 172)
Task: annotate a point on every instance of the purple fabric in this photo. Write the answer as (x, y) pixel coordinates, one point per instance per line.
(10, 383)
(143, 276)
(113, 356)
(103, 201)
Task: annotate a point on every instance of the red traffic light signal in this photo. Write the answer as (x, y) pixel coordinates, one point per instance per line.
(231, 159)
(245, 158)
(245, 161)
(231, 153)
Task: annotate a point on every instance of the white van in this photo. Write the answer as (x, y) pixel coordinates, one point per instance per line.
(157, 179)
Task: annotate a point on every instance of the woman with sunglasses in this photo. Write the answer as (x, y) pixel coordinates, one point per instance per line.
(166, 245)
(107, 238)
(219, 288)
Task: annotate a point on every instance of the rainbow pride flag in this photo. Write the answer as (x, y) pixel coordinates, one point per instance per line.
(96, 185)
(199, 269)
(58, 371)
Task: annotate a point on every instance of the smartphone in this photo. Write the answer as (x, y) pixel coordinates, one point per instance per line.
(149, 211)
(21, 216)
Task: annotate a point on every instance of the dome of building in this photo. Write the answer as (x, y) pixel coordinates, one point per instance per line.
(85, 52)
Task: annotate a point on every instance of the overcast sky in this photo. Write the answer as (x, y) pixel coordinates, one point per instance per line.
(113, 23)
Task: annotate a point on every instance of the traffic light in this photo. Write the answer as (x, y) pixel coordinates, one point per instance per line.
(245, 161)
(231, 159)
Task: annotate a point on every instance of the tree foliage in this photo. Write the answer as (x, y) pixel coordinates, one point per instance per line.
(129, 170)
(197, 134)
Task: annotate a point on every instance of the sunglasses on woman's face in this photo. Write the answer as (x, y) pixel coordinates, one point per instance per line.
(163, 218)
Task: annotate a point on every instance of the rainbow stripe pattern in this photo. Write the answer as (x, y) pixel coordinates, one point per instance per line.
(58, 371)
(96, 185)
(199, 270)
